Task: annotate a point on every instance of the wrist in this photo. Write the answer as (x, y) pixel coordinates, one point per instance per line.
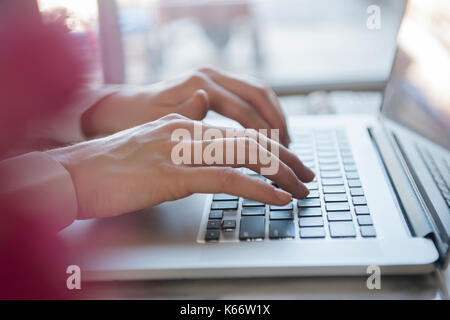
(116, 112)
(71, 158)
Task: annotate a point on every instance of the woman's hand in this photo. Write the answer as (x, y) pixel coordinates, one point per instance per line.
(134, 169)
(246, 100)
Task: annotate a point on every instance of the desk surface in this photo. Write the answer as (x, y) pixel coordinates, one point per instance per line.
(392, 287)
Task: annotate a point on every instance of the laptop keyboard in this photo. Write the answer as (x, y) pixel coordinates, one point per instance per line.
(335, 207)
(440, 171)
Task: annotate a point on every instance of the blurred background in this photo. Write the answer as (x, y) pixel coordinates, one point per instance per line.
(299, 47)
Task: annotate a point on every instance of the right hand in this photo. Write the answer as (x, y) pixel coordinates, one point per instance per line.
(132, 170)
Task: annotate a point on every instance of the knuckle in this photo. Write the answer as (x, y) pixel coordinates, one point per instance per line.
(248, 113)
(207, 69)
(251, 144)
(252, 133)
(263, 89)
(198, 78)
(228, 176)
(176, 123)
(173, 116)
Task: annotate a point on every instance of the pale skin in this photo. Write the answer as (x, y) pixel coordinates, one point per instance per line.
(130, 167)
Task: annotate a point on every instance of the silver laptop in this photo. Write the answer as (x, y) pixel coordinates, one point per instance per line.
(381, 197)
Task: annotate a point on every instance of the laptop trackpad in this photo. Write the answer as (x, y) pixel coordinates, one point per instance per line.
(171, 223)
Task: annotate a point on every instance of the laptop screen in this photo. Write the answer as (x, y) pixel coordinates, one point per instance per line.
(418, 91)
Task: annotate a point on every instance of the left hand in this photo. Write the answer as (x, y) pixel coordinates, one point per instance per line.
(246, 100)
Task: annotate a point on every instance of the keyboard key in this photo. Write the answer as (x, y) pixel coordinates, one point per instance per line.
(354, 183)
(332, 182)
(322, 155)
(342, 229)
(310, 222)
(229, 214)
(352, 175)
(359, 200)
(310, 212)
(282, 215)
(331, 174)
(312, 232)
(339, 216)
(350, 167)
(313, 194)
(229, 224)
(252, 228)
(329, 167)
(212, 235)
(312, 185)
(215, 214)
(335, 197)
(304, 153)
(365, 220)
(356, 191)
(368, 232)
(224, 197)
(281, 229)
(213, 224)
(305, 145)
(348, 161)
(285, 207)
(337, 206)
(325, 141)
(321, 149)
(253, 211)
(362, 210)
(305, 203)
(333, 161)
(224, 205)
(308, 159)
(346, 153)
(252, 203)
(333, 189)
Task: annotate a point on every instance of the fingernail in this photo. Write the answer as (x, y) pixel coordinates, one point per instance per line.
(304, 189)
(286, 141)
(283, 195)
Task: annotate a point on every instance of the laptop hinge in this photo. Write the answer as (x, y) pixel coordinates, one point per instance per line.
(408, 202)
(412, 205)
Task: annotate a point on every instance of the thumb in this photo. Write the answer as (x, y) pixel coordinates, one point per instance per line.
(196, 107)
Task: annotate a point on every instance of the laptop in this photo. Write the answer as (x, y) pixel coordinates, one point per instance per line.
(380, 197)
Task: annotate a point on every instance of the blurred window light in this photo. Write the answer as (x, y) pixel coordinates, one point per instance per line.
(283, 42)
(83, 9)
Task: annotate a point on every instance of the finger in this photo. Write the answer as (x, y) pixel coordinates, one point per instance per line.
(245, 152)
(231, 181)
(233, 107)
(262, 98)
(288, 157)
(196, 107)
